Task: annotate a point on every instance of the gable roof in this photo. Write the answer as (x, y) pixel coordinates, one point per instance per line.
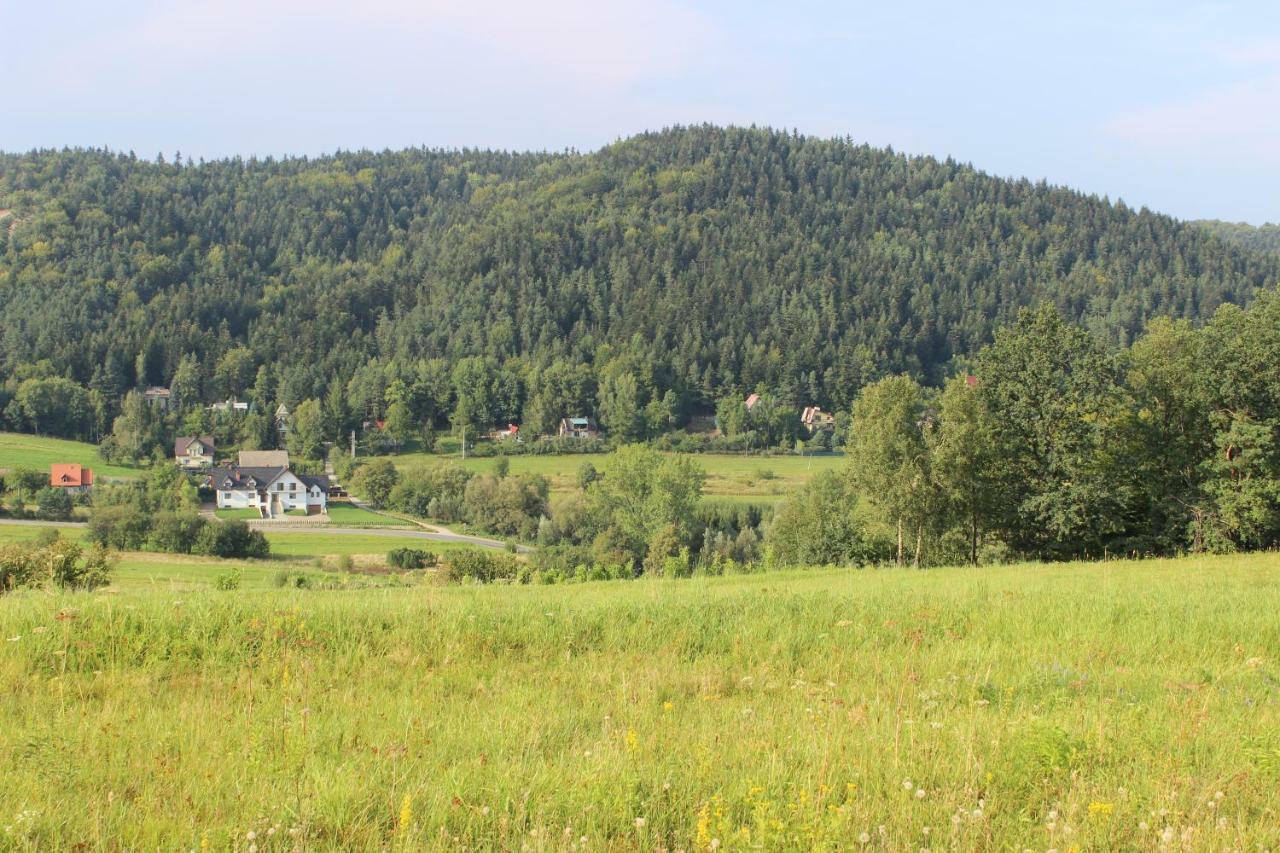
(264, 459)
(185, 441)
(69, 474)
(240, 479)
(752, 400)
(317, 481)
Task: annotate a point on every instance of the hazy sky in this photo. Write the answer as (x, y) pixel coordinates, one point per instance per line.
(1167, 104)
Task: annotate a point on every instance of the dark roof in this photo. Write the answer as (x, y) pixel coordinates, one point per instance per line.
(263, 476)
(318, 480)
(240, 477)
(184, 441)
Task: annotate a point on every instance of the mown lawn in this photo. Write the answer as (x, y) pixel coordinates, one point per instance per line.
(732, 477)
(1100, 707)
(18, 450)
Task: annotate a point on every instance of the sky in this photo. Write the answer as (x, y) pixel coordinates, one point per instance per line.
(1169, 105)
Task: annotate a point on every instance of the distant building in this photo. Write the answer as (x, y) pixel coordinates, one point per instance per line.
(193, 451)
(511, 431)
(579, 427)
(71, 476)
(263, 459)
(157, 397)
(751, 401)
(282, 419)
(271, 490)
(816, 420)
(231, 406)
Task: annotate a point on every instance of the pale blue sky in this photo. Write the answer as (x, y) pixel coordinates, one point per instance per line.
(1166, 104)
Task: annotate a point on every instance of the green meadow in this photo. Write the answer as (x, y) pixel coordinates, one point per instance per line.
(18, 450)
(729, 476)
(1125, 705)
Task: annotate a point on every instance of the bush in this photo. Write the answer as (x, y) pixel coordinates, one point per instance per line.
(228, 581)
(410, 558)
(59, 564)
(123, 527)
(176, 533)
(231, 539)
(482, 566)
(345, 563)
(53, 504)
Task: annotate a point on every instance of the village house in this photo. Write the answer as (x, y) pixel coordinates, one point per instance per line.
(815, 420)
(579, 427)
(282, 419)
(193, 451)
(511, 431)
(271, 490)
(157, 397)
(231, 406)
(72, 477)
(751, 401)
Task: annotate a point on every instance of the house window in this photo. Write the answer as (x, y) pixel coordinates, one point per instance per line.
(226, 496)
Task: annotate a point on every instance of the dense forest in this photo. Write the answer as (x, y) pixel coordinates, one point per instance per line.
(644, 281)
(1257, 238)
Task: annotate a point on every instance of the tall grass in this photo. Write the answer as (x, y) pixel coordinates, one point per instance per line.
(1106, 706)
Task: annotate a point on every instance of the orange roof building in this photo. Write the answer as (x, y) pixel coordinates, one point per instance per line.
(70, 476)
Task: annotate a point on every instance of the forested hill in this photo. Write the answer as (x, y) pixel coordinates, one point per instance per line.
(703, 260)
(1258, 238)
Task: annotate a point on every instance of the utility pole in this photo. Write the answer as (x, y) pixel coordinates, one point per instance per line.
(464, 442)
(353, 444)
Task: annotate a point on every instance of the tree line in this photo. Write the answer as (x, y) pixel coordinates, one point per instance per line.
(641, 283)
(1054, 446)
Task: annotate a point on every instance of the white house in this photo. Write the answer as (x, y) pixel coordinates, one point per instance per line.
(272, 491)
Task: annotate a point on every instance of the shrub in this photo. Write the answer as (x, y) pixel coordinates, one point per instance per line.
(482, 566)
(228, 581)
(345, 563)
(231, 539)
(53, 504)
(410, 558)
(176, 533)
(60, 564)
(122, 526)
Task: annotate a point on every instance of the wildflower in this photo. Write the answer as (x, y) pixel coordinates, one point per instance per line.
(632, 740)
(667, 706)
(1218, 795)
(406, 812)
(906, 785)
(639, 823)
(250, 835)
(1143, 826)
(1101, 809)
(919, 793)
(864, 838)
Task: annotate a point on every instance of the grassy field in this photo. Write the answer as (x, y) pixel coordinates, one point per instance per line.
(30, 451)
(286, 546)
(1117, 706)
(729, 477)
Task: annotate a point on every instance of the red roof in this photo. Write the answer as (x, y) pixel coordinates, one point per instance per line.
(70, 474)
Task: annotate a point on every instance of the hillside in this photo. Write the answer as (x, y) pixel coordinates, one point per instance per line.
(708, 260)
(1256, 238)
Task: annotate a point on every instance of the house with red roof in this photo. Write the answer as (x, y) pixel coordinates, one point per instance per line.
(71, 476)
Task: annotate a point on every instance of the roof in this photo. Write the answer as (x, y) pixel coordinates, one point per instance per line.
(185, 441)
(155, 391)
(237, 478)
(245, 479)
(752, 400)
(70, 474)
(319, 481)
(587, 422)
(264, 459)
